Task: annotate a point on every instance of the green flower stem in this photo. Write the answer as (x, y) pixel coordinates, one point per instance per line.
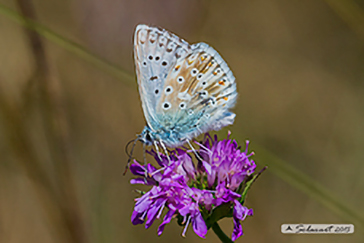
(222, 236)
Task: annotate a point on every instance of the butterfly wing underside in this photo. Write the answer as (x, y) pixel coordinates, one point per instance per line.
(155, 51)
(189, 95)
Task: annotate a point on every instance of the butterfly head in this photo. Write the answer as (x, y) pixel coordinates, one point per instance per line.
(147, 136)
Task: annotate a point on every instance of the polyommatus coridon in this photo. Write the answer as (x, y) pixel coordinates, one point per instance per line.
(185, 89)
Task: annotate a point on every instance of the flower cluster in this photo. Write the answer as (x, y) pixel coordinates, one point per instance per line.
(193, 193)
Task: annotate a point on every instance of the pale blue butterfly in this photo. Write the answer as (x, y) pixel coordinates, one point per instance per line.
(185, 89)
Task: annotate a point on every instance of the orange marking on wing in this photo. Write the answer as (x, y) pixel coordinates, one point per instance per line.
(221, 82)
(177, 67)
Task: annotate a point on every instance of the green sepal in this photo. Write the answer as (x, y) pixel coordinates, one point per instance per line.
(222, 211)
(249, 182)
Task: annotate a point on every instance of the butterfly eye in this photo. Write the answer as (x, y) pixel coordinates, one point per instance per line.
(157, 58)
(168, 90)
(180, 79)
(164, 63)
(166, 105)
(194, 72)
(148, 137)
(182, 105)
(150, 57)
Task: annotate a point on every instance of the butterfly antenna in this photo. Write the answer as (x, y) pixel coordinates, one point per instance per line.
(131, 153)
(127, 146)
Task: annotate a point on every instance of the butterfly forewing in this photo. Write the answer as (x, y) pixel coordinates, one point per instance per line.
(155, 52)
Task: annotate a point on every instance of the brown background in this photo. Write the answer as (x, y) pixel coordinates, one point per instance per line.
(65, 120)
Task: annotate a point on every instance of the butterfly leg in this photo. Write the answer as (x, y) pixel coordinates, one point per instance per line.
(157, 149)
(144, 155)
(165, 151)
(193, 149)
(145, 164)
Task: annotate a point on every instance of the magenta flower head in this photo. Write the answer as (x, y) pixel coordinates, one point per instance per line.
(197, 195)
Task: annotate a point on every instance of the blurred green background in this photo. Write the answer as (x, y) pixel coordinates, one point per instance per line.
(69, 104)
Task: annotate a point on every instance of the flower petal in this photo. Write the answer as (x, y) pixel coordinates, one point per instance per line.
(238, 230)
(166, 220)
(143, 181)
(240, 211)
(137, 169)
(185, 210)
(152, 212)
(136, 218)
(199, 225)
(143, 203)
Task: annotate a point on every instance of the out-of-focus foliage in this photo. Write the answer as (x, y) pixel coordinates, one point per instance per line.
(64, 121)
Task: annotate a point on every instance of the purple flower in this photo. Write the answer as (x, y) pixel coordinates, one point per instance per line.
(240, 212)
(193, 193)
(224, 162)
(191, 211)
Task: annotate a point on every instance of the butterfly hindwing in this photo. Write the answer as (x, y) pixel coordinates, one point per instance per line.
(202, 89)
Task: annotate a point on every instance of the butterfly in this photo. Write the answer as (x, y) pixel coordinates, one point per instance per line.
(185, 90)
